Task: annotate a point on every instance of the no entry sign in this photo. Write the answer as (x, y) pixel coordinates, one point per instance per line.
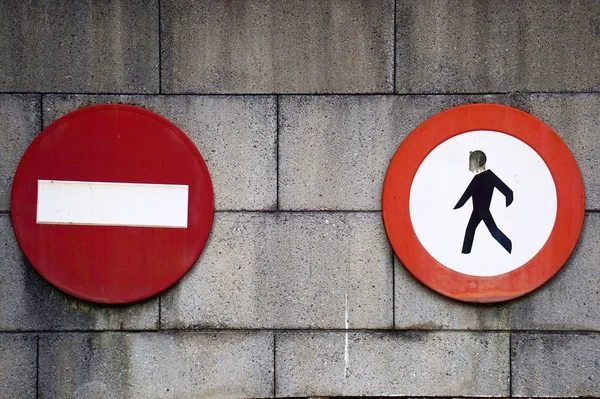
(112, 203)
(483, 203)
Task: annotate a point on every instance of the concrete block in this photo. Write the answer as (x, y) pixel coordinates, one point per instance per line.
(19, 124)
(401, 364)
(18, 355)
(449, 46)
(151, 365)
(66, 46)
(272, 46)
(235, 135)
(29, 302)
(333, 151)
(287, 270)
(557, 365)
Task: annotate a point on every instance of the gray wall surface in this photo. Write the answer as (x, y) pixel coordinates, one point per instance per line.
(297, 108)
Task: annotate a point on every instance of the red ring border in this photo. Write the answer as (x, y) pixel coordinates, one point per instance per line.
(527, 128)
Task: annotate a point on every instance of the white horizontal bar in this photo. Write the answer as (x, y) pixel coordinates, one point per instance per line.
(112, 204)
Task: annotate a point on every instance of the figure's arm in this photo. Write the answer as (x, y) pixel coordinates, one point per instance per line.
(504, 189)
(465, 197)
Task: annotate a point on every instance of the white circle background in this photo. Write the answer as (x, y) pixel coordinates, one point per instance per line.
(441, 180)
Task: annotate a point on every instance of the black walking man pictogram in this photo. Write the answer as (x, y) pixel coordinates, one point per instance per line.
(481, 190)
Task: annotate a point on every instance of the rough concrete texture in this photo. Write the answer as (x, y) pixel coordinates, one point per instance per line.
(450, 46)
(19, 124)
(151, 365)
(333, 151)
(324, 270)
(269, 46)
(235, 135)
(401, 364)
(18, 366)
(55, 46)
(557, 365)
(29, 302)
(569, 301)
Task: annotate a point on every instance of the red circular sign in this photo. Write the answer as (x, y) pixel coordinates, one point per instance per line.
(119, 256)
(563, 236)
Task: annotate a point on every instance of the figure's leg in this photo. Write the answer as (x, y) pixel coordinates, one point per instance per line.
(470, 233)
(496, 232)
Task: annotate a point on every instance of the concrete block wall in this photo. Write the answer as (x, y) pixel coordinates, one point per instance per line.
(297, 108)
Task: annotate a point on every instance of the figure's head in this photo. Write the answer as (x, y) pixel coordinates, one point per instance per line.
(477, 160)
